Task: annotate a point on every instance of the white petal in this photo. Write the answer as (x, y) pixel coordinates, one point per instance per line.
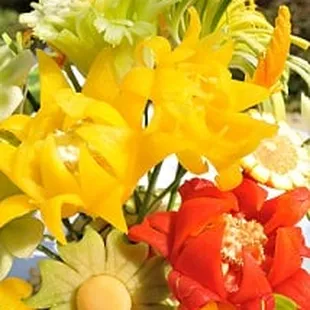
(281, 181)
(260, 173)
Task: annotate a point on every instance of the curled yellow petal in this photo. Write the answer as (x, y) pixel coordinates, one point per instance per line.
(13, 207)
(53, 210)
(159, 47)
(51, 78)
(12, 290)
(230, 177)
(192, 162)
(271, 66)
(16, 124)
(191, 36)
(111, 208)
(56, 177)
(90, 172)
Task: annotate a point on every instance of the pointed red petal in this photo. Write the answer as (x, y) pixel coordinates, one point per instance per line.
(190, 293)
(287, 259)
(254, 283)
(197, 187)
(285, 210)
(297, 288)
(251, 197)
(193, 216)
(200, 259)
(155, 230)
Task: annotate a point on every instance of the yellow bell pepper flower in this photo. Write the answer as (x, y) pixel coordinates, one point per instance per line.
(76, 154)
(196, 100)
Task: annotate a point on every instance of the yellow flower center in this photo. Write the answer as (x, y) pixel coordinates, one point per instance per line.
(241, 234)
(277, 154)
(103, 293)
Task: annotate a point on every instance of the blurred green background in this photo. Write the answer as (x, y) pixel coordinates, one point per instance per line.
(300, 10)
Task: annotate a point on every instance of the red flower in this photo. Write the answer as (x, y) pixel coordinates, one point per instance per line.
(233, 248)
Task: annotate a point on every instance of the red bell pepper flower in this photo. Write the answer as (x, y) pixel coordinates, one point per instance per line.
(235, 249)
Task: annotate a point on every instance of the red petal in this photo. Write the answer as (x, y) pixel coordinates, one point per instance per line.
(191, 294)
(196, 188)
(297, 288)
(200, 259)
(251, 197)
(193, 216)
(254, 283)
(155, 231)
(285, 210)
(287, 259)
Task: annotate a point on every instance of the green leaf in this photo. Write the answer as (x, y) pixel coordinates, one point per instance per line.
(124, 259)
(10, 98)
(284, 303)
(59, 284)
(21, 236)
(6, 262)
(88, 256)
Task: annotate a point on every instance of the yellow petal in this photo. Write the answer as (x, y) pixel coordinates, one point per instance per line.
(114, 145)
(16, 124)
(156, 146)
(12, 290)
(13, 207)
(111, 209)
(26, 172)
(101, 82)
(78, 106)
(245, 95)
(229, 178)
(51, 78)
(192, 162)
(191, 36)
(52, 213)
(139, 80)
(7, 152)
(131, 106)
(90, 172)
(56, 178)
(272, 65)
(210, 49)
(159, 46)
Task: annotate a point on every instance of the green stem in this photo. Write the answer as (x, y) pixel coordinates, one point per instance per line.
(173, 195)
(73, 78)
(148, 194)
(137, 200)
(173, 186)
(32, 100)
(42, 248)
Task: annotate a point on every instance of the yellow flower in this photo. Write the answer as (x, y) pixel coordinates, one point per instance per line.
(281, 161)
(76, 154)
(196, 99)
(12, 291)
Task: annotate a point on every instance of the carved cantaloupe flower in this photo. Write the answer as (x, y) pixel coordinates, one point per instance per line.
(280, 161)
(99, 274)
